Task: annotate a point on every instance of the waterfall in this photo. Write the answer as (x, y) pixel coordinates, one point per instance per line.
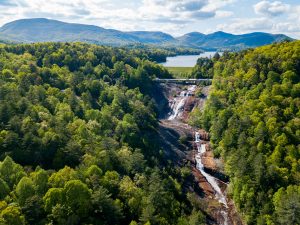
(201, 148)
(177, 105)
(177, 108)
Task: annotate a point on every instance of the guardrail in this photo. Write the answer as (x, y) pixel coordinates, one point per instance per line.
(183, 81)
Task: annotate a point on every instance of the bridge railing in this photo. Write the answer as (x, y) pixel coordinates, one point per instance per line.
(184, 81)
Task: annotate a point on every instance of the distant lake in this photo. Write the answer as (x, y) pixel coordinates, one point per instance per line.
(185, 60)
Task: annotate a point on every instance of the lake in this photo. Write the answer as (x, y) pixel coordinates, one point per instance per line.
(185, 60)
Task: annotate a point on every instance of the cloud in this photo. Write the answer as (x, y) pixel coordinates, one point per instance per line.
(269, 20)
(223, 14)
(202, 15)
(175, 10)
(7, 3)
(175, 16)
(82, 12)
(214, 5)
(289, 28)
(238, 25)
(190, 5)
(294, 14)
(98, 12)
(267, 8)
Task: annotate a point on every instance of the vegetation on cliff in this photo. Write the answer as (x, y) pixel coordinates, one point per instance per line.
(253, 115)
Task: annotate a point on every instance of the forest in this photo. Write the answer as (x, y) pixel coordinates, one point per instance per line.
(253, 115)
(79, 140)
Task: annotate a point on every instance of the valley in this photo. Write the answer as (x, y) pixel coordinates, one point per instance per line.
(104, 135)
(149, 112)
(190, 146)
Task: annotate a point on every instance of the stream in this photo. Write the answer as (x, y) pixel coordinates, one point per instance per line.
(177, 106)
(178, 103)
(210, 179)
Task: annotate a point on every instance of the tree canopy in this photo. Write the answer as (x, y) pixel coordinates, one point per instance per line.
(79, 141)
(253, 115)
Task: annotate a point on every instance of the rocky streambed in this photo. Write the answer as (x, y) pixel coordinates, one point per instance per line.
(211, 183)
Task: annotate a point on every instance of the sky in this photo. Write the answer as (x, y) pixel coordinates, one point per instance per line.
(175, 17)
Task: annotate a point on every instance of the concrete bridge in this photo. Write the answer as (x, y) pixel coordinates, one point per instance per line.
(184, 81)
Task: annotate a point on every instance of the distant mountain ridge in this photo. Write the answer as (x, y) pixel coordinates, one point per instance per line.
(222, 40)
(45, 30)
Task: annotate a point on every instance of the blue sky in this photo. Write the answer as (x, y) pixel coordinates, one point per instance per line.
(172, 16)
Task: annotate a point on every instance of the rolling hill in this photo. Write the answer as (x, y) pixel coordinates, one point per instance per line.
(45, 30)
(222, 40)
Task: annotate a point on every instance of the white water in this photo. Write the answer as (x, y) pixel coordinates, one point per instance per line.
(210, 179)
(219, 194)
(197, 137)
(177, 108)
(177, 105)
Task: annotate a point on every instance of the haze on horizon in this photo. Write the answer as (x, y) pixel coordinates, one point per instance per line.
(172, 16)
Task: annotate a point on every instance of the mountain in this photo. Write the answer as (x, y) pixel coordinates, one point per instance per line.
(222, 40)
(152, 37)
(45, 30)
(191, 38)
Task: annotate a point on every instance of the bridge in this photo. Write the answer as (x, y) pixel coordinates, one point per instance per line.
(184, 81)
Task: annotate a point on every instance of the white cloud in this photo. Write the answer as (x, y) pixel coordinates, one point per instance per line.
(214, 5)
(271, 8)
(174, 16)
(223, 14)
(175, 11)
(239, 26)
(294, 15)
(269, 20)
(289, 28)
(6, 3)
(168, 11)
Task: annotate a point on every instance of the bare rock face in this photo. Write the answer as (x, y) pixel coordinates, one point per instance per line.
(182, 147)
(204, 135)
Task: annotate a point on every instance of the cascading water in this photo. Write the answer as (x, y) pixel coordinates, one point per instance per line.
(219, 195)
(177, 105)
(210, 179)
(177, 108)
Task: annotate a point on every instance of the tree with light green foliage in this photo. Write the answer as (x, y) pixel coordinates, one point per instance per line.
(25, 189)
(53, 197)
(11, 172)
(78, 197)
(11, 214)
(287, 205)
(79, 140)
(252, 114)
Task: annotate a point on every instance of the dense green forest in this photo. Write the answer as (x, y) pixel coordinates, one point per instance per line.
(79, 141)
(253, 115)
(204, 67)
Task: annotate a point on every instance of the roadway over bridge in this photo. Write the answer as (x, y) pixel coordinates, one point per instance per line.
(184, 81)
